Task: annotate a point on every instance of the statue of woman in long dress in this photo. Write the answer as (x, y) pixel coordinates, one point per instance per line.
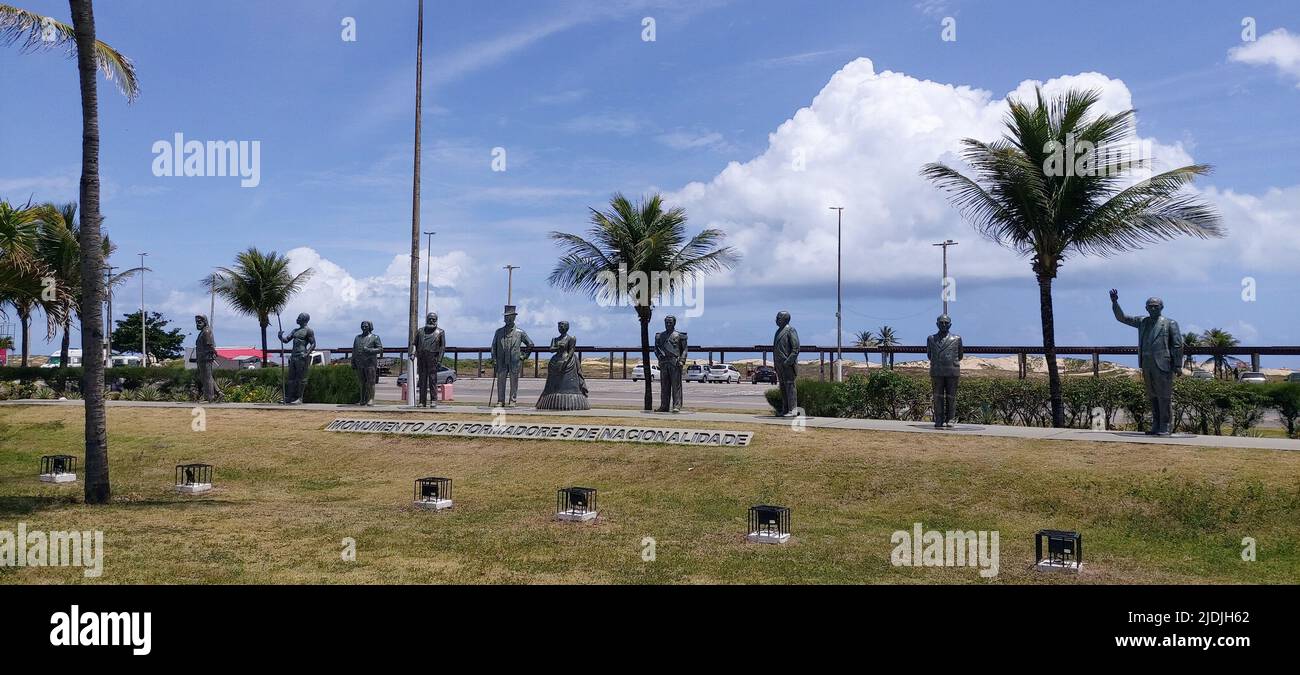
(565, 387)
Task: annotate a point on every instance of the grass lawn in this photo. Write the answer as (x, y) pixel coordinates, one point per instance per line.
(287, 494)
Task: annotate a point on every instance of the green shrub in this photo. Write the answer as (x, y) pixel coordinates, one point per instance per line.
(1284, 397)
(332, 384)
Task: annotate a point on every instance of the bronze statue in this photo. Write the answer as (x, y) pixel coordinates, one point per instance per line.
(785, 356)
(429, 345)
(565, 388)
(510, 346)
(366, 350)
(205, 357)
(945, 352)
(1160, 355)
(670, 348)
(304, 343)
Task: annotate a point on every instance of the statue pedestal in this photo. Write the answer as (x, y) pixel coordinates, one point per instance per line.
(572, 517)
(433, 504)
(767, 538)
(194, 489)
(58, 477)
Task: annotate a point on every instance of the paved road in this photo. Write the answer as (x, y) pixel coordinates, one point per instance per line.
(609, 393)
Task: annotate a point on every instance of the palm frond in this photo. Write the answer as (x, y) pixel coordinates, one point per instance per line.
(38, 33)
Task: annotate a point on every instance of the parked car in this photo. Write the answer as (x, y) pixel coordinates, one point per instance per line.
(722, 372)
(1202, 374)
(1254, 378)
(694, 373)
(763, 374)
(445, 376)
(638, 373)
(1293, 377)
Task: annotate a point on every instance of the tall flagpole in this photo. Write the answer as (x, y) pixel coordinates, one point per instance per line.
(415, 210)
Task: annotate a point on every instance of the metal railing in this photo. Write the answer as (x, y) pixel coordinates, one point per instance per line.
(1021, 352)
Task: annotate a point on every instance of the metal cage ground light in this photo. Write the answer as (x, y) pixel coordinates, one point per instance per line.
(433, 493)
(769, 524)
(1064, 550)
(575, 503)
(58, 468)
(193, 478)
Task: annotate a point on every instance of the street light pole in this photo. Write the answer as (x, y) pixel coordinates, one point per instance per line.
(144, 322)
(944, 287)
(108, 296)
(510, 281)
(839, 294)
(428, 266)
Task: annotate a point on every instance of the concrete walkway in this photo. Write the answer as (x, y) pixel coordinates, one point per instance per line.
(685, 418)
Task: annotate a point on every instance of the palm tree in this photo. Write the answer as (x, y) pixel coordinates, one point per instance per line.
(885, 338)
(864, 338)
(259, 285)
(1190, 340)
(1023, 201)
(640, 238)
(1222, 339)
(23, 272)
(38, 32)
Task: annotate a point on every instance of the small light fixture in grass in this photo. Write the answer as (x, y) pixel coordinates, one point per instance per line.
(58, 468)
(769, 524)
(577, 504)
(192, 479)
(1064, 551)
(433, 494)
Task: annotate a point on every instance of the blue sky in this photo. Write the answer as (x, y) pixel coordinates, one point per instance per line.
(706, 113)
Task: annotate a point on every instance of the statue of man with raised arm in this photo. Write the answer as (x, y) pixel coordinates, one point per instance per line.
(1160, 355)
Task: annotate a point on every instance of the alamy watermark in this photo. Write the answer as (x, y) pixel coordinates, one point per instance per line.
(953, 548)
(657, 288)
(179, 157)
(55, 548)
(1084, 158)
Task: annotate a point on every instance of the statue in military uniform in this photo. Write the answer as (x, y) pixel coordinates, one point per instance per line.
(670, 348)
(304, 343)
(205, 358)
(945, 352)
(510, 346)
(366, 350)
(1160, 355)
(428, 347)
(785, 356)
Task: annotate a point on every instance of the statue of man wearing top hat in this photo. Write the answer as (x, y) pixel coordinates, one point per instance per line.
(510, 346)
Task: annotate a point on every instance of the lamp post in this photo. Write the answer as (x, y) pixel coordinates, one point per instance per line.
(144, 323)
(108, 296)
(428, 274)
(839, 295)
(944, 292)
(510, 281)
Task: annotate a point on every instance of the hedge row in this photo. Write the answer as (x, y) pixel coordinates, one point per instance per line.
(325, 384)
(1200, 406)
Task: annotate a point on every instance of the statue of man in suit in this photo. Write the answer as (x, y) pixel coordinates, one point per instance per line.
(945, 352)
(205, 358)
(429, 345)
(366, 349)
(510, 346)
(670, 348)
(1160, 355)
(785, 356)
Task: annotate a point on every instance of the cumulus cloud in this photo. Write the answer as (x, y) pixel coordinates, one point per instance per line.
(1280, 49)
(860, 144)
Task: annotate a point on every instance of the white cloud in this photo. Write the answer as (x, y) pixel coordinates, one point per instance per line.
(690, 140)
(860, 145)
(622, 124)
(1278, 48)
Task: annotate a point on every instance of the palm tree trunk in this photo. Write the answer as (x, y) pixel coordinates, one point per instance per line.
(63, 350)
(92, 260)
(263, 325)
(25, 318)
(643, 313)
(1049, 349)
